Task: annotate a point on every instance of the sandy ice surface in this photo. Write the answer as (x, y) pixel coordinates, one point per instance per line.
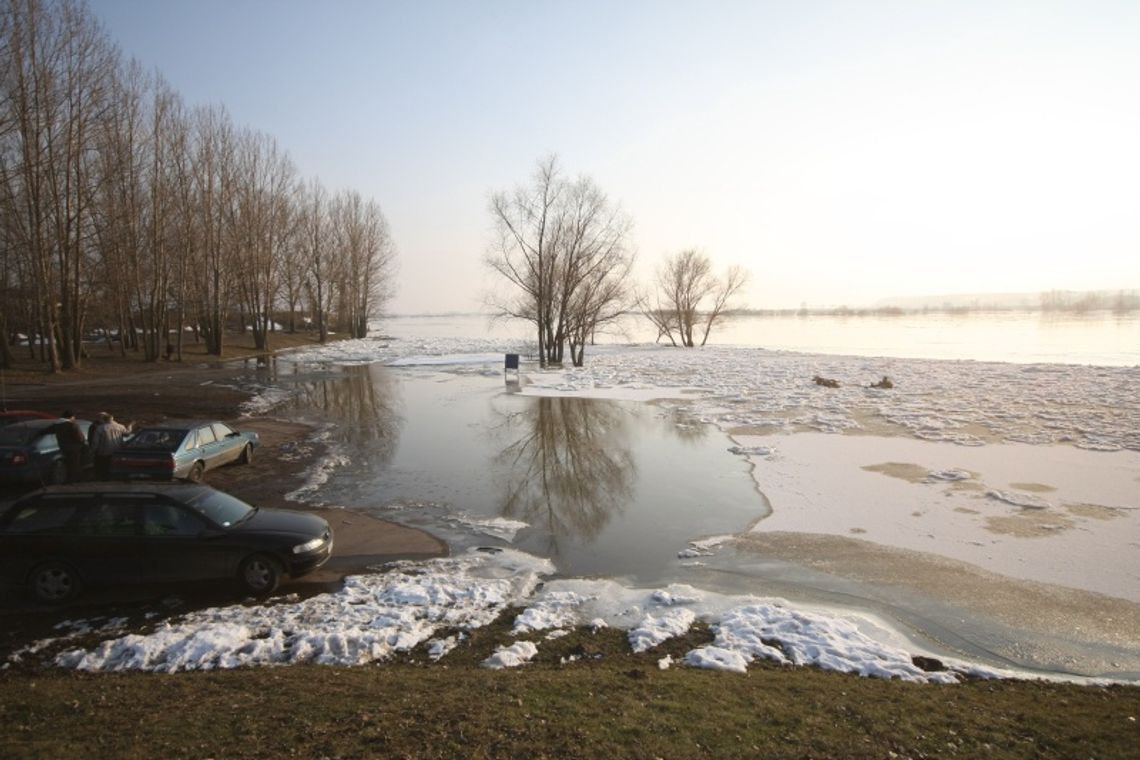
(1079, 527)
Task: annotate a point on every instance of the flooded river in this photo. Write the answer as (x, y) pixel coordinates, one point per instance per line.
(613, 489)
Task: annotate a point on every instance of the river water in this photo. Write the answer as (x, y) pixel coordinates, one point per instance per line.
(621, 489)
(1101, 338)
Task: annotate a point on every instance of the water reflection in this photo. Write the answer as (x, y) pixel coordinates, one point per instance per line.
(605, 487)
(362, 402)
(569, 468)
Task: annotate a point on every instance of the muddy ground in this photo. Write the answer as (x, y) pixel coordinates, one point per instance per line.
(279, 466)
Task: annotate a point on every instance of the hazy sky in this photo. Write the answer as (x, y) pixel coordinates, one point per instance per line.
(842, 151)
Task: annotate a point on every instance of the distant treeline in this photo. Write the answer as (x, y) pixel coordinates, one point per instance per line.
(1060, 301)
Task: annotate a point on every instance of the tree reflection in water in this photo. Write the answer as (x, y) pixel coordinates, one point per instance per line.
(570, 470)
(364, 405)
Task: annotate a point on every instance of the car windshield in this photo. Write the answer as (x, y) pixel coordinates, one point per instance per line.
(156, 440)
(221, 508)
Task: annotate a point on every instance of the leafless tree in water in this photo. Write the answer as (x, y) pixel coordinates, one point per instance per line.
(689, 298)
(564, 247)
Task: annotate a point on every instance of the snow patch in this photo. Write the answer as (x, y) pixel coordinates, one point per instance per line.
(519, 653)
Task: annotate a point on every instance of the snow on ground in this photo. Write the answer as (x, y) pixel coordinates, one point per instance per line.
(371, 618)
(378, 615)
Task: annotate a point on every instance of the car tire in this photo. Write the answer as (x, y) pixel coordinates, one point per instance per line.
(197, 472)
(246, 455)
(54, 582)
(260, 574)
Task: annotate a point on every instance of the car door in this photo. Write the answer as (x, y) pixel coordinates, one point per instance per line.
(104, 542)
(208, 447)
(179, 544)
(229, 441)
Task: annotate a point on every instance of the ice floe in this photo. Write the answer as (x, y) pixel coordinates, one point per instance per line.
(964, 402)
(1019, 499)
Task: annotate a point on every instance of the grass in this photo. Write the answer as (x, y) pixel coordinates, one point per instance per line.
(616, 708)
(608, 702)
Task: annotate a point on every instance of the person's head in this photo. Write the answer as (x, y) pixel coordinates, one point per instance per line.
(68, 414)
(105, 417)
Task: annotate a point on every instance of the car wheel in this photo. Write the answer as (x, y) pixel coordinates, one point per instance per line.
(196, 472)
(246, 455)
(55, 582)
(57, 474)
(260, 574)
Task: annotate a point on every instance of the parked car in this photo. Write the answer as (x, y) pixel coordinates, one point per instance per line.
(29, 452)
(183, 450)
(58, 540)
(8, 416)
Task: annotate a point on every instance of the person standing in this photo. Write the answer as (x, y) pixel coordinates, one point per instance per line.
(71, 444)
(106, 440)
(94, 429)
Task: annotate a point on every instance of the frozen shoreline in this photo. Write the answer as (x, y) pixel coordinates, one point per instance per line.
(973, 502)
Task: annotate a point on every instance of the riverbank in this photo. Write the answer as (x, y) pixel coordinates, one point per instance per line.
(584, 694)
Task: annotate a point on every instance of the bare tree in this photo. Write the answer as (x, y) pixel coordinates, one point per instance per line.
(367, 256)
(563, 245)
(57, 66)
(214, 188)
(119, 206)
(319, 255)
(261, 223)
(689, 297)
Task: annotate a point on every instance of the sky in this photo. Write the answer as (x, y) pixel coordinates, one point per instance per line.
(843, 152)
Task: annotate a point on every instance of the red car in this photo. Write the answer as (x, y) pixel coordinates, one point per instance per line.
(8, 416)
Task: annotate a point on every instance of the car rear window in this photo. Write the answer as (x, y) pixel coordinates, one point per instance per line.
(15, 436)
(156, 440)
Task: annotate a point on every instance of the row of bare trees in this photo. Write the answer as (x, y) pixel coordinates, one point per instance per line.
(123, 209)
(565, 248)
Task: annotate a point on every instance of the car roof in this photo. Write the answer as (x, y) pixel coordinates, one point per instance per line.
(36, 424)
(178, 424)
(182, 489)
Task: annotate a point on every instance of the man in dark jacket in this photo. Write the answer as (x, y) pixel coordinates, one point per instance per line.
(71, 444)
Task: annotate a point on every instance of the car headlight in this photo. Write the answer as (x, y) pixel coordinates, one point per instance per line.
(309, 546)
